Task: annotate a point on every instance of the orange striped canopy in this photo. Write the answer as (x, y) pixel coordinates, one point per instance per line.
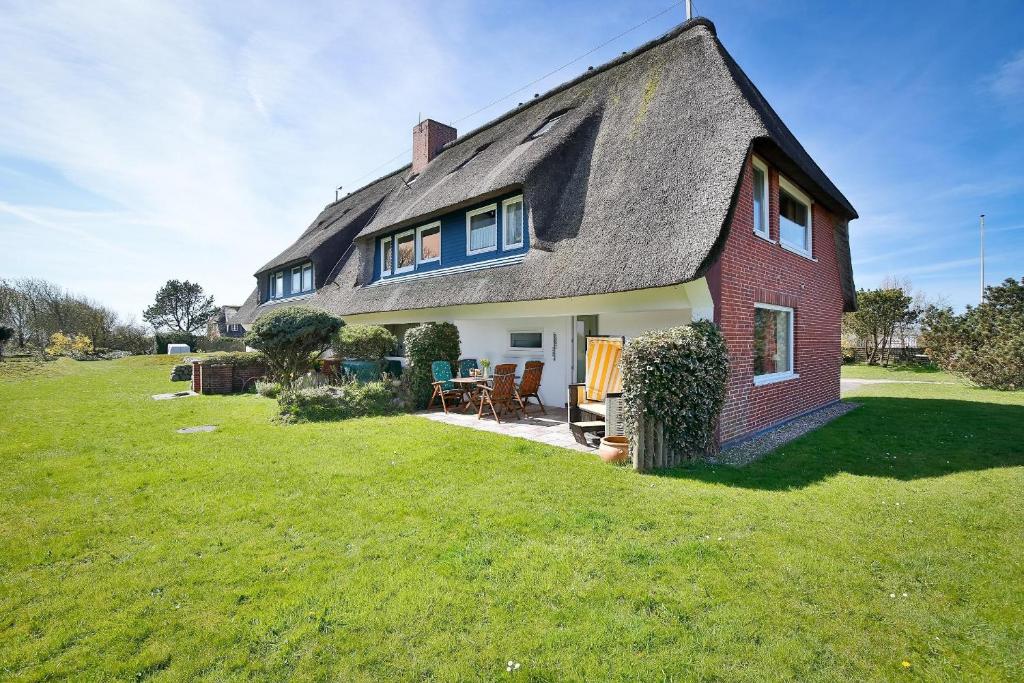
(603, 373)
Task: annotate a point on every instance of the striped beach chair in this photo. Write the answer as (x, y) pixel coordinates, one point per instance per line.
(589, 402)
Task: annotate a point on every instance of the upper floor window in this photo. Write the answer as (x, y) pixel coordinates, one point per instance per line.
(512, 223)
(277, 285)
(760, 198)
(307, 277)
(428, 243)
(405, 249)
(773, 343)
(482, 230)
(387, 256)
(794, 218)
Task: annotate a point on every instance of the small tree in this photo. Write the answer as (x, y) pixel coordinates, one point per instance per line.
(880, 314)
(292, 338)
(424, 345)
(6, 335)
(364, 342)
(180, 307)
(985, 344)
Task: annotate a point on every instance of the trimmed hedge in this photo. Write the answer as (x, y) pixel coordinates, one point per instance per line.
(236, 358)
(424, 345)
(364, 342)
(678, 377)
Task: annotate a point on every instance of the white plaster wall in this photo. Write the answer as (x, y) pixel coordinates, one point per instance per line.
(632, 324)
(490, 339)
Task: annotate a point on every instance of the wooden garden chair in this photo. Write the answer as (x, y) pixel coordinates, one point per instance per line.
(444, 387)
(530, 386)
(505, 369)
(500, 395)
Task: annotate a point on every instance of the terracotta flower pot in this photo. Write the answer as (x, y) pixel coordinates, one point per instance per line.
(614, 449)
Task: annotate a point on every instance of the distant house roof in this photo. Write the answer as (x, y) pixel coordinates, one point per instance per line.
(631, 189)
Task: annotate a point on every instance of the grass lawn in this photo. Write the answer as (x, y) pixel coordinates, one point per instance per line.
(403, 549)
(913, 373)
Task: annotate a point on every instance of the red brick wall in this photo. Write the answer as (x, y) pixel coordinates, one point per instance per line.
(217, 379)
(753, 270)
(224, 379)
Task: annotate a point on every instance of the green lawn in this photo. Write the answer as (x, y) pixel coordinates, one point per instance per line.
(913, 373)
(403, 549)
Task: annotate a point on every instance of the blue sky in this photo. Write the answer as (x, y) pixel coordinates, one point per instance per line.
(145, 141)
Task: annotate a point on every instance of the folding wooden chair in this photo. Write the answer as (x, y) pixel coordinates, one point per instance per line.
(529, 387)
(502, 394)
(444, 387)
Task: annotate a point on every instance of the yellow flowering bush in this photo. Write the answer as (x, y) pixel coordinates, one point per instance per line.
(68, 345)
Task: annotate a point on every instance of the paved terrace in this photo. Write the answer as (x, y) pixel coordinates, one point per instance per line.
(550, 429)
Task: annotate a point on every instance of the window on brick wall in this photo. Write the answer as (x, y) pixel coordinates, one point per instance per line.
(794, 218)
(773, 343)
(760, 198)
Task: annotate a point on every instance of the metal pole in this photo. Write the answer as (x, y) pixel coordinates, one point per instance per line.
(689, 9)
(981, 297)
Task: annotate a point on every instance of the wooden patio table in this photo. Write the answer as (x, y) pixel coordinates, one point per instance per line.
(471, 386)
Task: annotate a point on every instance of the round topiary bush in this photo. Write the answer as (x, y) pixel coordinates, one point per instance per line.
(676, 377)
(424, 345)
(364, 342)
(292, 338)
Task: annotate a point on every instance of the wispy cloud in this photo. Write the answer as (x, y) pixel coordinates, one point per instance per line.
(1008, 81)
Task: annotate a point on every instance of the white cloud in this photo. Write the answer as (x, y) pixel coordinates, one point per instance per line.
(224, 126)
(1008, 81)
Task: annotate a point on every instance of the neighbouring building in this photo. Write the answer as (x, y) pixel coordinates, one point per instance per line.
(224, 325)
(649, 192)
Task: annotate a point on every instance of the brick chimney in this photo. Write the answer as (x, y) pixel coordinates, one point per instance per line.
(428, 137)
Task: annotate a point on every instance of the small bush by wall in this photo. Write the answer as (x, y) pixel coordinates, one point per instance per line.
(364, 342)
(236, 358)
(424, 345)
(676, 377)
(342, 402)
(292, 338)
(211, 344)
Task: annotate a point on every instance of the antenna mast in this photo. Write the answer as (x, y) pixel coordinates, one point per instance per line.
(981, 296)
(689, 9)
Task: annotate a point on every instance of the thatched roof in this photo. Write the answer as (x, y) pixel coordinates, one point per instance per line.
(632, 189)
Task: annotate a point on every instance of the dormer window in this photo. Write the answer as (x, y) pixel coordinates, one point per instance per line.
(277, 285)
(406, 251)
(512, 223)
(387, 256)
(482, 230)
(550, 123)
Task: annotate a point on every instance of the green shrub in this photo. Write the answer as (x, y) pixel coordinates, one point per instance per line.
(984, 344)
(292, 338)
(424, 345)
(342, 402)
(238, 359)
(268, 389)
(364, 342)
(211, 344)
(677, 376)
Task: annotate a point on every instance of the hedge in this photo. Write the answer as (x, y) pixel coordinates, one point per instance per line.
(235, 358)
(364, 342)
(678, 377)
(424, 345)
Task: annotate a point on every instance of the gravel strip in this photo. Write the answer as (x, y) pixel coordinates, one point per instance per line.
(757, 447)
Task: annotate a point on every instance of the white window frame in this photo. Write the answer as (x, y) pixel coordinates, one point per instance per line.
(279, 284)
(407, 269)
(766, 209)
(526, 349)
(469, 216)
(798, 194)
(760, 380)
(386, 241)
(296, 275)
(312, 283)
(419, 243)
(505, 244)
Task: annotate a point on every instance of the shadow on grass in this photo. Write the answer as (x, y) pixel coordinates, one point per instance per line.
(898, 438)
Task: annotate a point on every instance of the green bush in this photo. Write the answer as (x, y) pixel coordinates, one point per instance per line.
(364, 342)
(268, 389)
(238, 359)
(342, 402)
(424, 345)
(984, 344)
(292, 338)
(211, 344)
(677, 376)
